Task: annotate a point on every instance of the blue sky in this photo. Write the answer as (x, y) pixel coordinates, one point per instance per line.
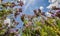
(33, 5)
(36, 4)
(30, 5)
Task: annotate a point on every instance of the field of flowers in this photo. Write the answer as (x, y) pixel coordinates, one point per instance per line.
(39, 24)
(43, 26)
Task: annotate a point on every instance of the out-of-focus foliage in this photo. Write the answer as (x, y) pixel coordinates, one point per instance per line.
(42, 29)
(5, 30)
(4, 12)
(37, 25)
(42, 26)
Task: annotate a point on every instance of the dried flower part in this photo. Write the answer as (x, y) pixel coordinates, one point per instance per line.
(36, 12)
(39, 10)
(21, 3)
(55, 8)
(16, 23)
(42, 14)
(12, 5)
(19, 10)
(16, 13)
(58, 14)
(22, 17)
(17, 30)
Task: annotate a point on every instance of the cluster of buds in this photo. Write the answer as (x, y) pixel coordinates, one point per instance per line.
(15, 32)
(18, 11)
(9, 4)
(20, 3)
(29, 24)
(7, 22)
